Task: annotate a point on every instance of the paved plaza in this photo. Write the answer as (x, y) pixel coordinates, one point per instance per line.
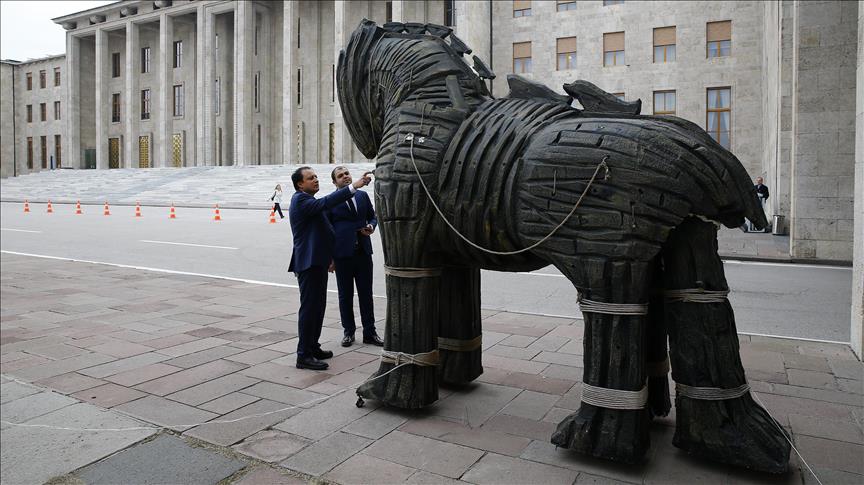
(121, 370)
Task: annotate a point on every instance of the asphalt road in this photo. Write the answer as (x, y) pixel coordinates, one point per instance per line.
(792, 300)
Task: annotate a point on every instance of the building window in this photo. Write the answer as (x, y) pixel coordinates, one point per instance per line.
(30, 152)
(145, 60)
(522, 57)
(256, 90)
(115, 64)
(29, 82)
(115, 108)
(56, 110)
(257, 33)
(56, 76)
(58, 150)
(664, 45)
(298, 30)
(388, 9)
(178, 53)
(450, 13)
(43, 150)
(719, 122)
(43, 111)
(258, 144)
(564, 5)
(333, 83)
(613, 49)
(217, 95)
(521, 8)
(145, 104)
(620, 96)
(331, 152)
(178, 100)
(606, 3)
(299, 87)
(43, 80)
(664, 102)
(566, 53)
(719, 38)
(29, 113)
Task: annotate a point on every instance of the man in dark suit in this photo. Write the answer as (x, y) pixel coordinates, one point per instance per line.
(312, 255)
(354, 221)
(762, 193)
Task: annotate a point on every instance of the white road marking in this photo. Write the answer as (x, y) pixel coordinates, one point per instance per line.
(18, 230)
(186, 244)
(282, 285)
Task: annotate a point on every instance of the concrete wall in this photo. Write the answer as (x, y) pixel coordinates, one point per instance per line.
(858, 267)
(7, 121)
(823, 131)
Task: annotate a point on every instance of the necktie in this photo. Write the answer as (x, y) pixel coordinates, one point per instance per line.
(351, 207)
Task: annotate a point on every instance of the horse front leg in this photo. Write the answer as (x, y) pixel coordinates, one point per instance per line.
(459, 341)
(612, 421)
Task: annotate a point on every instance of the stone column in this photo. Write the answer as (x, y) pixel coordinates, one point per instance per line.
(131, 96)
(162, 151)
(202, 83)
(858, 231)
(102, 104)
(289, 81)
(209, 39)
(243, 33)
(72, 143)
(341, 34)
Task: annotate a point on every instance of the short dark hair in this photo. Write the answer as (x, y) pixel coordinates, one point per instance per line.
(297, 177)
(333, 173)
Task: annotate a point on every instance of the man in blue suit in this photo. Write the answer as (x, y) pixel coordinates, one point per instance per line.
(354, 221)
(313, 252)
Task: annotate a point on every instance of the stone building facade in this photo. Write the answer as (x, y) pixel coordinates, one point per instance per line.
(32, 107)
(188, 83)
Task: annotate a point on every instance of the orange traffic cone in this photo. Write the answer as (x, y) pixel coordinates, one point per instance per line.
(272, 216)
(217, 217)
(26, 206)
(78, 208)
(50, 209)
(172, 215)
(107, 212)
(137, 209)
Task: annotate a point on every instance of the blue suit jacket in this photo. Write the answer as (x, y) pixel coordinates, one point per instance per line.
(346, 225)
(313, 234)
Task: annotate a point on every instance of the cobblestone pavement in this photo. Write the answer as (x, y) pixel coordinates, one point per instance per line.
(173, 350)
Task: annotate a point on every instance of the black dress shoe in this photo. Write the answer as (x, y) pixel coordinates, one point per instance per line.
(373, 340)
(311, 363)
(322, 354)
(347, 340)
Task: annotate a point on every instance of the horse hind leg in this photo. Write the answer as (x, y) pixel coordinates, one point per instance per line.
(459, 337)
(658, 355)
(611, 424)
(716, 416)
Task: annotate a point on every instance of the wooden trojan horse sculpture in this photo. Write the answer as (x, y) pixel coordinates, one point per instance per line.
(625, 206)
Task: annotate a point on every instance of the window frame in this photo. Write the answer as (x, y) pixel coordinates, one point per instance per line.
(56, 110)
(145, 60)
(115, 65)
(523, 61)
(566, 54)
(115, 108)
(29, 81)
(719, 45)
(567, 4)
(665, 47)
(181, 90)
(43, 79)
(56, 76)
(665, 92)
(43, 111)
(145, 104)
(521, 12)
(43, 150)
(30, 153)
(709, 111)
(615, 54)
(29, 113)
(177, 52)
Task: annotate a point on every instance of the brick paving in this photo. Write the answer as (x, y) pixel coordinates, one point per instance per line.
(175, 350)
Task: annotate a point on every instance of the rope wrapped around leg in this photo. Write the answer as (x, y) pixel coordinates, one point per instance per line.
(459, 345)
(614, 398)
(711, 393)
(424, 359)
(695, 295)
(412, 272)
(591, 306)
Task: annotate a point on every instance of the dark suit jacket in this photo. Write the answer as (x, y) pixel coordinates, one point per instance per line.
(346, 225)
(313, 234)
(762, 190)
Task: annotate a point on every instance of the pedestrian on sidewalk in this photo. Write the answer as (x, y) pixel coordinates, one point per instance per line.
(313, 252)
(277, 199)
(762, 193)
(353, 222)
